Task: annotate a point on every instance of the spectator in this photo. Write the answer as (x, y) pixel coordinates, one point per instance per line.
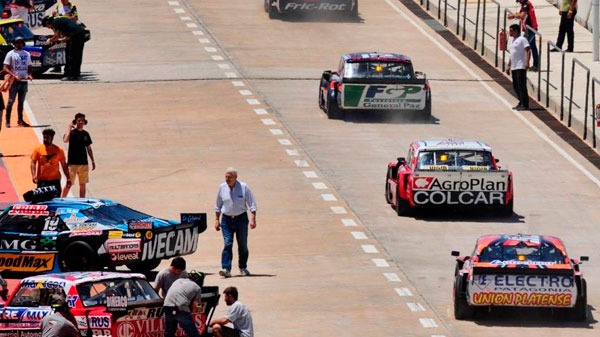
(80, 147)
(65, 9)
(233, 200)
(166, 277)
(518, 63)
(17, 64)
(45, 162)
(74, 33)
(238, 314)
(528, 18)
(567, 12)
(19, 9)
(183, 298)
(61, 322)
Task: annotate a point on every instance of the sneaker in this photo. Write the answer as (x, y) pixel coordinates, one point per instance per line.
(56, 70)
(517, 107)
(244, 272)
(23, 124)
(522, 108)
(224, 273)
(553, 50)
(534, 69)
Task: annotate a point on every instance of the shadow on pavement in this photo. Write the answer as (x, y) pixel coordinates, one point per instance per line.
(531, 317)
(320, 17)
(254, 275)
(465, 215)
(388, 117)
(2, 155)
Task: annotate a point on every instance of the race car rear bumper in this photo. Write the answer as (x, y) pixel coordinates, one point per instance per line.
(327, 6)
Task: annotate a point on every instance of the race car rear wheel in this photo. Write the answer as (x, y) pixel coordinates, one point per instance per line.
(579, 311)
(143, 267)
(333, 110)
(427, 111)
(273, 11)
(78, 256)
(354, 11)
(462, 309)
(388, 197)
(508, 209)
(403, 207)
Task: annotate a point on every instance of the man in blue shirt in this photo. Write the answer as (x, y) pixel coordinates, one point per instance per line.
(233, 200)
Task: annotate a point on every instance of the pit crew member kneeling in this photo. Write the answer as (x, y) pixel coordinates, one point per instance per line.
(61, 323)
(238, 314)
(182, 299)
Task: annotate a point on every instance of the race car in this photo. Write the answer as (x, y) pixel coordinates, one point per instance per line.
(43, 55)
(277, 7)
(374, 81)
(103, 304)
(448, 173)
(78, 234)
(35, 16)
(519, 271)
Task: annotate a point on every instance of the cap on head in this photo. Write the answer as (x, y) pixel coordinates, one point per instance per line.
(19, 38)
(197, 277)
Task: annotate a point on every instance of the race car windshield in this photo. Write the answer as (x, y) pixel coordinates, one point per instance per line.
(455, 160)
(10, 32)
(545, 252)
(114, 214)
(34, 297)
(137, 291)
(398, 70)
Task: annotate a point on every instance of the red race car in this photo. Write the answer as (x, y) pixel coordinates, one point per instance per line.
(448, 173)
(103, 303)
(519, 271)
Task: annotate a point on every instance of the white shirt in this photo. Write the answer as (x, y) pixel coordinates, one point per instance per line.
(235, 201)
(18, 62)
(239, 315)
(518, 55)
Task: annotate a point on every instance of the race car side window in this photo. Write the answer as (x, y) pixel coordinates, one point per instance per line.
(137, 291)
(34, 297)
(31, 224)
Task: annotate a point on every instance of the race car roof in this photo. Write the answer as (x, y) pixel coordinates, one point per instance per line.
(79, 203)
(451, 144)
(375, 57)
(75, 278)
(513, 239)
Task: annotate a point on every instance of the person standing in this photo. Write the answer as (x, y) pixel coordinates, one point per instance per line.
(234, 198)
(65, 9)
(45, 162)
(61, 323)
(165, 278)
(518, 63)
(19, 9)
(567, 12)
(182, 299)
(80, 147)
(68, 30)
(17, 64)
(238, 314)
(527, 16)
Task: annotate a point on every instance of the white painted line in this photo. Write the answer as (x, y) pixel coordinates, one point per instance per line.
(328, 197)
(173, 3)
(428, 322)
(438, 335)
(253, 101)
(349, 222)
(359, 235)
(403, 292)
(310, 174)
(179, 10)
(380, 263)
(198, 32)
(263, 112)
(338, 210)
(319, 186)
(185, 18)
(191, 25)
(292, 152)
(204, 40)
(415, 306)
(217, 58)
(392, 277)
(230, 75)
(267, 121)
(301, 163)
(284, 141)
(276, 132)
(224, 66)
(245, 92)
(518, 114)
(210, 49)
(370, 249)
(238, 83)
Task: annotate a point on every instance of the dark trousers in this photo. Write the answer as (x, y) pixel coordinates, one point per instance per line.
(530, 36)
(74, 55)
(566, 27)
(183, 318)
(519, 77)
(18, 88)
(237, 226)
(55, 183)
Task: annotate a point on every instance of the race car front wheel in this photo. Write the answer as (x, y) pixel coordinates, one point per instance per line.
(143, 267)
(78, 256)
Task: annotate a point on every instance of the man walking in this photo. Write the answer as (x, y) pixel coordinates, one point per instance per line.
(165, 278)
(17, 64)
(518, 65)
(68, 30)
(233, 200)
(45, 162)
(80, 147)
(61, 323)
(182, 299)
(567, 12)
(238, 314)
(528, 18)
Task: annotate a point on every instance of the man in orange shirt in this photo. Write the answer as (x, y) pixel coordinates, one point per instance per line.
(45, 162)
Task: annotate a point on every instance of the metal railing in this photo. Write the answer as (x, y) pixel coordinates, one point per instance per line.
(562, 77)
(484, 30)
(587, 94)
(539, 50)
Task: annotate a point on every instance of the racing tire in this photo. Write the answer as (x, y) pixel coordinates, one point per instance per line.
(273, 12)
(403, 207)
(508, 209)
(579, 311)
(427, 111)
(78, 256)
(321, 99)
(388, 198)
(143, 267)
(462, 309)
(333, 110)
(354, 11)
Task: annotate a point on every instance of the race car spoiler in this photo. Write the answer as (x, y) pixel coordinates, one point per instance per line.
(524, 270)
(421, 81)
(197, 219)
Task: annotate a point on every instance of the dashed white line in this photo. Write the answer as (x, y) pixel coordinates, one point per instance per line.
(267, 121)
(191, 25)
(319, 186)
(349, 222)
(185, 18)
(238, 83)
(428, 322)
(301, 163)
(403, 292)
(415, 306)
(173, 3)
(261, 111)
(217, 58)
(198, 32)
(359, 235)
(204, 40)
(210, 49)
(370, 249)
(328, 197)
(310, 174)
(231, 75)
(338, 210)
(284, 141)
(179, 10)
(392, 277)
(245, 92)
(253, 101)
(438, 335)
(292, 152)
(380, 263)
(276, 132)
(224, 66)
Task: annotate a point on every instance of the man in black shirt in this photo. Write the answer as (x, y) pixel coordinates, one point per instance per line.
(80, 146)
(68, 30)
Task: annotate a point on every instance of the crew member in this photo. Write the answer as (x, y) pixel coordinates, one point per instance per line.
(74, 33)
(61, 323)
(166, 277)
(238, 314)
(181, 301)
(64, 9)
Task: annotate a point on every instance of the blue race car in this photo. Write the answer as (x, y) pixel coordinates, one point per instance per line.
(79, 234)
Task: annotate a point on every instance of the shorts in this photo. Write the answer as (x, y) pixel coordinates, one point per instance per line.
(226, 331)
(80, 171)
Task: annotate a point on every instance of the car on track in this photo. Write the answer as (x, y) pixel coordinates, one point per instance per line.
(448, 172)
(75, 234)
(374, 81)
(102, 303)
(519, 271)
(276, 8)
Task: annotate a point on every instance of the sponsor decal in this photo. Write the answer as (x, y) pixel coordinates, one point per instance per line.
(87, 226)
(100, 322)
(51, 224)
(153, 327)
(81, 322)
(9, 334)
(17, 244)
(456, 191)
(476, 184)
(30, 334)
(124, 257)
(172, 243)
(48, 242)
(524, 299)
(394, 96)
(475, 168)
(123, 245)
(116, 303)
(43, 284)
(134, 225)
(74, 218)
(149, 235)
(71, 300)
(522, 263)
(24, 315)
(86, 233)
(63, 210)
(27, 262)
(323, 6)
(115, 234)
(435, 167)
(29, 210)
